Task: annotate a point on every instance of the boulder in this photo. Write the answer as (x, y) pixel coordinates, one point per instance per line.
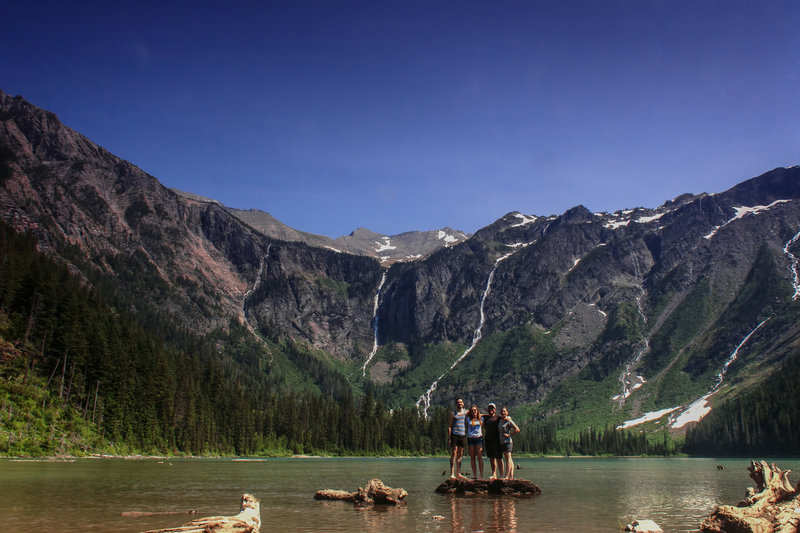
(490, 486)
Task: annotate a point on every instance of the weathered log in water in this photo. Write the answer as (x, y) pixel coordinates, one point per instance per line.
(137, 514)
(771, 506)
(491, 486)
(247, 521)
(374, 493)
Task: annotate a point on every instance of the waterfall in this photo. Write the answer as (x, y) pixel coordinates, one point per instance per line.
(425, 400)
(793, 265)
(254, 288)
(732, 358)
(629, 383)
(257, 283)
(374, 325)
(699, 408)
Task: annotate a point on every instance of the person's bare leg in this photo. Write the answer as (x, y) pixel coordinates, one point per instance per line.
(459, 455)
(479, 453)
(493, 464)
(509, 465)
(473, 461)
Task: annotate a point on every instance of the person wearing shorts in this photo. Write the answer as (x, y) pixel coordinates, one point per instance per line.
(507, 429)
(475, 440)
(491, 440)
(457, 436)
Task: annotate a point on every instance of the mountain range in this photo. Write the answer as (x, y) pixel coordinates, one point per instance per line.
(648, 315)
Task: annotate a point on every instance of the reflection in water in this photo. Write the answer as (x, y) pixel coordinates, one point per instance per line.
(381, 517)
(482, 513)
(579, 494)
(645, 493)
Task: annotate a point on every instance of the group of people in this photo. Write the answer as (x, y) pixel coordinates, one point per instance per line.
(477, 432)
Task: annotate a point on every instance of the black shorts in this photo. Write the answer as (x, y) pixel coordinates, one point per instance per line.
(458, 440)
(492, 448)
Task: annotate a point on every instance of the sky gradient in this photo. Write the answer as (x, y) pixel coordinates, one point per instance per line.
(416, 115)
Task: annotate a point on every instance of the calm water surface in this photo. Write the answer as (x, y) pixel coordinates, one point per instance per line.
(578, 494)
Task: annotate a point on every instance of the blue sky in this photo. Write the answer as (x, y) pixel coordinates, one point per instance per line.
(415, 115)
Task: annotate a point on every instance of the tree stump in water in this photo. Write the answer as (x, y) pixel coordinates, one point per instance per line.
(247, 521)
(374, 493)
(772, 506)
(491, 486)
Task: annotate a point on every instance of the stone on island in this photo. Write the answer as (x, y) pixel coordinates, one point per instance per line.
(490, 486)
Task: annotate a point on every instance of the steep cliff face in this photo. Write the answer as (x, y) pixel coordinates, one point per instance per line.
(193, 258)
(648, 293)
(316, 297)
(646, 300)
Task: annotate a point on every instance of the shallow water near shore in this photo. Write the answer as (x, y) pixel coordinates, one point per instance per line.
(578, 494)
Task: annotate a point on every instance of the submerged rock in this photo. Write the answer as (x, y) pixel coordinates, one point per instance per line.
(490, 486)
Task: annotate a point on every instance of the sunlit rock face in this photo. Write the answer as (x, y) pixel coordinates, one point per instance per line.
(657, 299)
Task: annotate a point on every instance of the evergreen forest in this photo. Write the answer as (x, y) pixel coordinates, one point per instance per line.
(84, 371)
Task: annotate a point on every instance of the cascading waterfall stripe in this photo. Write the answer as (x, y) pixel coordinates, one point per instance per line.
(374, 325)
(793, 260)
(255, 287)
(625, 378)
(425, 400)
(699, 408)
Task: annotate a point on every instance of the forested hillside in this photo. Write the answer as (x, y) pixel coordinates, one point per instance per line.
(171, 324)
(81, 376)
(764, 420)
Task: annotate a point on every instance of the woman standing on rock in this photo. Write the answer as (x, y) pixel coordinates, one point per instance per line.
(491, 440)
(457, 437)
(507, 429)
(475, 440)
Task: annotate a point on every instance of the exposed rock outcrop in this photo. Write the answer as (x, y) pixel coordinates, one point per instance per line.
(490, 486)
(662, 294)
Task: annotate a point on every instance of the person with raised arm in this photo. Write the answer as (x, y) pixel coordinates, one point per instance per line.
(507, 429)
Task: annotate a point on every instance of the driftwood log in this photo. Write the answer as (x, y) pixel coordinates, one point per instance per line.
(491, 486)
(774, 505)
(247, 521)
(137, 514)
(374, 493)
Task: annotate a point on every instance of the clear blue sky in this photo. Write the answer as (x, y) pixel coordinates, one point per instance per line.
(415, 115)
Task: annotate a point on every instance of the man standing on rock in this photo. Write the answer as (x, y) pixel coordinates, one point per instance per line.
(491, 440)
(457, 436)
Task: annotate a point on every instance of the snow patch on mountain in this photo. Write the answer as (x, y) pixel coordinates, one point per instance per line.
(384, 246)
(446, 237)
(524, 220)
(700, 408)
(647, 417)
(741, 212)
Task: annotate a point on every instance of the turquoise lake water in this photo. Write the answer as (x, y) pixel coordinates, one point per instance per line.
(578, 494)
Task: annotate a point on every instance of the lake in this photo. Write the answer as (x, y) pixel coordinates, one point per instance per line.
(578, 494)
